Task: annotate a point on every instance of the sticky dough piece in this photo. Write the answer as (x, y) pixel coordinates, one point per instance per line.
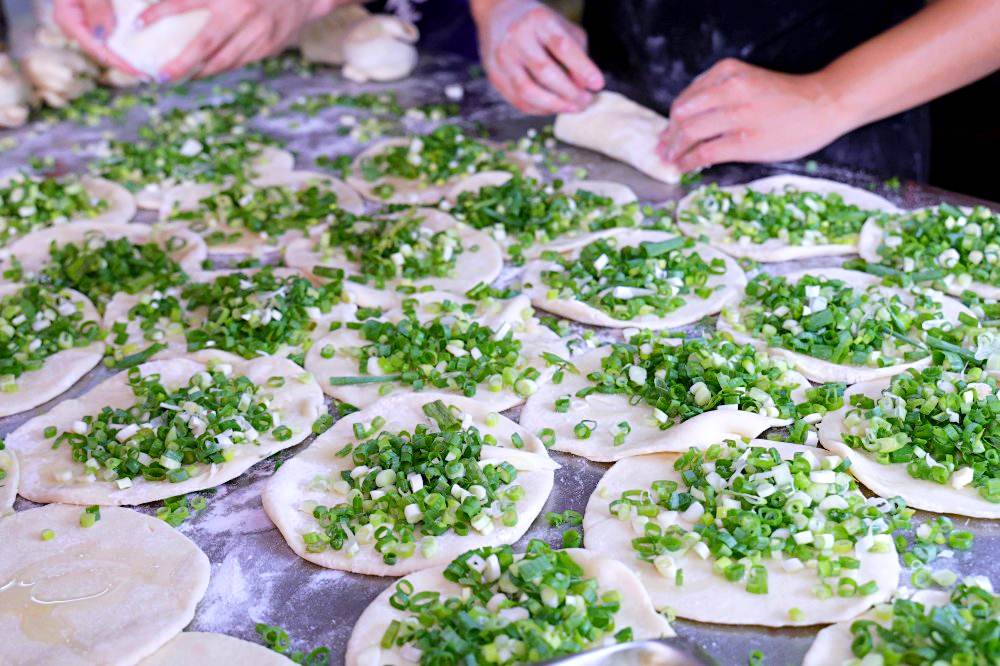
(127, 584)
(186, 197)
(535, 338)
(892, 480)
(820, 371)
(60, 371)
(291, 486)
(833, 644)
(418, 192)
(480, 261)
(148, 49)
(298, 402)
(775, 249)
(731, 284)
(608, 410)
(380, 48)
(196, 648)
(636, 611)
(615, 126)
(706, 596)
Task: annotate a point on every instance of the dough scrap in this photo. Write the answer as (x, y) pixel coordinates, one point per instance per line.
(149, 48)
(535, 338)
(820, 371)
(196, 648)
(299, 402)
(127, 585)
(706, 596)
(891, 480)
(59, 371)
(480, 260)
(775, 249)
(609, 409)
(187, 196)
(730, 284)
(621, 129)
(635, 612)
(380, 48)
(292, 485)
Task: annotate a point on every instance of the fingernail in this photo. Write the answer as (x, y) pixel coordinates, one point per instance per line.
(99, 32)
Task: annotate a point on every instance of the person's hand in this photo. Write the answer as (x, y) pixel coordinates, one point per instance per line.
(736, 112)
(89, 23)
(534, 57)
(237, 32)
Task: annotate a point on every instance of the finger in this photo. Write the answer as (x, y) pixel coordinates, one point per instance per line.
(572, 56)
(551, 76)
(232, 53)
(731, 92)
(100, 17)
(717, 74)
(732, 147)
(681, 136)
(198, 52)
(165, 8)
(71, 18)
(524, 92)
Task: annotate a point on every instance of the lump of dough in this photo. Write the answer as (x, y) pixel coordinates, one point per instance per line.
(380, 48)
(59, 75)
(15, 94)
(149, 48)
(323, 39)
(111, 593)
(621, 129)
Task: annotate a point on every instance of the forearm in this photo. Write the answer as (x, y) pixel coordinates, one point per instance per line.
(945, 46)
(480, 8)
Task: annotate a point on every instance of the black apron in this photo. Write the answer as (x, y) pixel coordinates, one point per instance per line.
(654, 48)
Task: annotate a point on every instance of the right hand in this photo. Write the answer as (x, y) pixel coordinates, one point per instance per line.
(89, 23)
(534, 57)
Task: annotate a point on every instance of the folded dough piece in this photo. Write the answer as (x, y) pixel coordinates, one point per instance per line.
(380, 48)
(15, 94)
(151, 47)
(617, 127)
(322, 40)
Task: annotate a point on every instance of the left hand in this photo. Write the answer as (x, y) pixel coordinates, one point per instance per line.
(737, 112)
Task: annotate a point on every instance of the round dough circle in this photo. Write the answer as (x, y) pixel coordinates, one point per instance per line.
(196, 648)
(116, 591)
(8, 485)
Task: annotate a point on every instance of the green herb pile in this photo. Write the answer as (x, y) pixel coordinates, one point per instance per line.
(794, 216)
(517, 611)
(944, 426)
(407, 488)
(631, 281)
(747, 506)
(28, 203)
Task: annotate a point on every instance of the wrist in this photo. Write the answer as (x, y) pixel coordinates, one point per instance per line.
(836, 98)
(482, 9)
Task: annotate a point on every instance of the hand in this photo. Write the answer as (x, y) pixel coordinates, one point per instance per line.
(88, 23)
(237, 32)
(736, 112)
(534, 57)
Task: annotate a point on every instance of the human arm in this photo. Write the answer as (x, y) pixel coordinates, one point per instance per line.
(534, 57)
(739, 112)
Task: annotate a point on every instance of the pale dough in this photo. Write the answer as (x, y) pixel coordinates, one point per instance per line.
(636, 611)
(59, 371)
(298, 403)
(621, 129)
(8, 484)
(16, 96)
(535, 338)
(149, 48)
(706, 596)
(292, 485)
(892, 480)
(775, 249)
(322, 40)
(730, 285)
(196, 648)
(820, 371)
(646, 436)
(380, 47)
(186, 197)
(111, 593)
(479, 261)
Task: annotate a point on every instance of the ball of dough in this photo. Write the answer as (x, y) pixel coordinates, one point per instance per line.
(149, 48)
(380, 48)
(323, 39)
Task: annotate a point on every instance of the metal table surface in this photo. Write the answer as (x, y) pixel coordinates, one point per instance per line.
(255, 576)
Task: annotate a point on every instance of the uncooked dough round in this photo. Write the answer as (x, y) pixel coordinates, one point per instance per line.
(50, 475)
(706, 596)
(196, 648)
(293, 487)
(636, 610)
(892, 480)
(775, 249)
(149, 48)
(821, 371)
(111, 593)
(729, 287)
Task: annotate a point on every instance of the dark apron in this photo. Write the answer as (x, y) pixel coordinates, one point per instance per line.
(654, 48)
